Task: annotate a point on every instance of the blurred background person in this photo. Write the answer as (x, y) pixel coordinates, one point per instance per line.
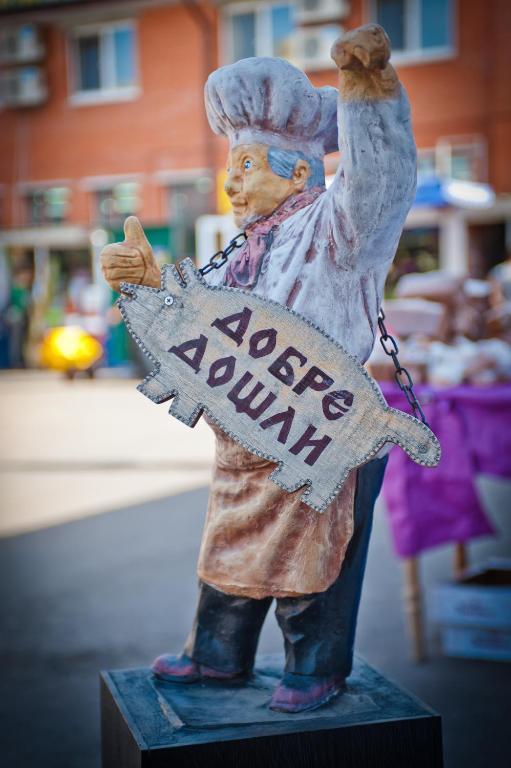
(17, 315)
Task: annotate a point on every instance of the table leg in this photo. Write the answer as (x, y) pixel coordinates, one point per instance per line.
(460, 561)
(413, 608)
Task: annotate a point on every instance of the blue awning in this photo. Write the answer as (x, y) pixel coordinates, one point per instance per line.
(430, 192)
(435, 192)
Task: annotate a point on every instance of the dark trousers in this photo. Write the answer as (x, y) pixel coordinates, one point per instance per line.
(318, 629)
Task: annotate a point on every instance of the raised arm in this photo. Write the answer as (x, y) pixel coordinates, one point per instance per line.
(374, 186)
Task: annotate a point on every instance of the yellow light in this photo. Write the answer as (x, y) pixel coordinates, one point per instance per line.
(70, 347)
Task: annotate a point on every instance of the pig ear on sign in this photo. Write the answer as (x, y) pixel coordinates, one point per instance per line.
(189, 272)
(171, 279)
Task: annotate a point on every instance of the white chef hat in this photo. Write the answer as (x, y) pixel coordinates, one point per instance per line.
(265, 100)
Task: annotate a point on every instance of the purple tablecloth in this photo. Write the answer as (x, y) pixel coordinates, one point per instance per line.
(428, 507)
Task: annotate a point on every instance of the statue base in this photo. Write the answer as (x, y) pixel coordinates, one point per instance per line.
(374, 724)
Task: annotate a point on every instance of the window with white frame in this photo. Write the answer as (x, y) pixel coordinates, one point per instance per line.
(104, 61)
(416, 27)
(425, 163)
(258, 29)
(47, 205)
(118, 201)
(187, 201)
(463, 158)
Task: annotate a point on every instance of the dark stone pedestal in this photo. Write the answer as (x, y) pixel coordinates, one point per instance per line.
(374, 724)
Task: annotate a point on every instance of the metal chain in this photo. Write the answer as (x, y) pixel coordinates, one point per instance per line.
(220, 257)
(401, 375)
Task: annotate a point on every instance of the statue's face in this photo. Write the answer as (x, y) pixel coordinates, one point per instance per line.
(253, 188)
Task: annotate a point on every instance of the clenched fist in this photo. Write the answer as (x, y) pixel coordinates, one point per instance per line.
(362, 56)
(131, 261)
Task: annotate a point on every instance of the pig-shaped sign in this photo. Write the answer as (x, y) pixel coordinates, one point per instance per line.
(269, 378)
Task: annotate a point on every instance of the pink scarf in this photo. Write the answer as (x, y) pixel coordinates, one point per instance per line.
(243, 270)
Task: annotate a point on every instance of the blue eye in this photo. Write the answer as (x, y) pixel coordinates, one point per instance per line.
(247, 164)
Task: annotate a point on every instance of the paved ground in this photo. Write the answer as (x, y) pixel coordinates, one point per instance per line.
(73, 449)
(115, 589)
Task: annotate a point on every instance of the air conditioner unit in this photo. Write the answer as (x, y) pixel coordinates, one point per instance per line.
(23, 87)
(311, 46)
(21, 44)
(309, 11)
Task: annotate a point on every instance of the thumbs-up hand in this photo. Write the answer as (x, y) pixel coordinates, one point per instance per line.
(131, 261)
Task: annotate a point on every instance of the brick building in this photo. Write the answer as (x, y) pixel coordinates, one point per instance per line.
(101, 115)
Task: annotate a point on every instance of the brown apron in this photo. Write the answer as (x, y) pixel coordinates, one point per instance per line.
(259, 540)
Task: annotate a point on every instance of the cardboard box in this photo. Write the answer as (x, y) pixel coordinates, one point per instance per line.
(474, 613)
(472, 643)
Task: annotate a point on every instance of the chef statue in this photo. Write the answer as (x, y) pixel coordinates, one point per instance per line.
(325, 253)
